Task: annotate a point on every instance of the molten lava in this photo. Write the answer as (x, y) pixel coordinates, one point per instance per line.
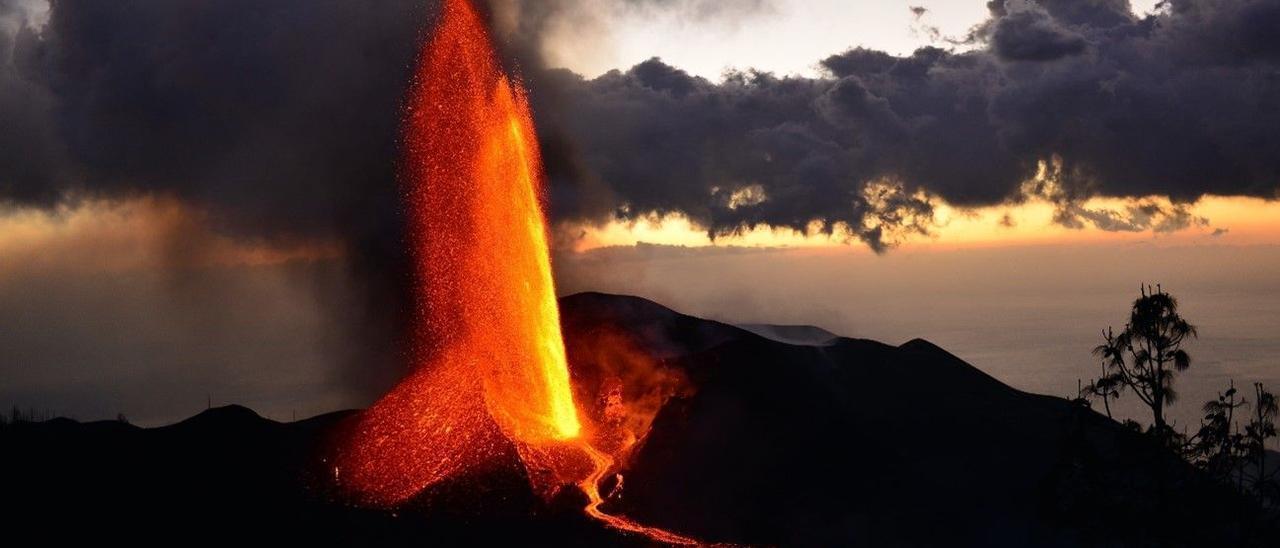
(490, 363)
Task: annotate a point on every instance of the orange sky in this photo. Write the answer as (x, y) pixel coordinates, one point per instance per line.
(143, 233)
(1246, 221)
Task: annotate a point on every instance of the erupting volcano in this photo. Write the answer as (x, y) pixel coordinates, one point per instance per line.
(489, 359)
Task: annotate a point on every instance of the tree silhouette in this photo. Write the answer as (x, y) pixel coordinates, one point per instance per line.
(1261, 427)
(1219, 447)
(1105, 387)
(1146, 356)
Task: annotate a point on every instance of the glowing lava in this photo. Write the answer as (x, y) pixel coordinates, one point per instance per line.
(591, 486)
(491, 364)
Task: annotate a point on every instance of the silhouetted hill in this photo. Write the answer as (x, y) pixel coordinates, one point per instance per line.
(858, 441)
(847, 442)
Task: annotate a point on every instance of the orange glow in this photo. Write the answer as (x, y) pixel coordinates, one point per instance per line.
(591, 486)
(144, 233)
(621, 389)
(490, 365)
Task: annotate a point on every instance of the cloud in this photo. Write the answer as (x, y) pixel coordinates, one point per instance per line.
(281, 120)
(1136, 214)
(1172, 105)
(1033, 35)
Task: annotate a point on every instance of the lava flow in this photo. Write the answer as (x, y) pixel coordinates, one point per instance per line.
(490, 363)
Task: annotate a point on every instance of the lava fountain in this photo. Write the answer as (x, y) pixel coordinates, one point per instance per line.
(489, 360)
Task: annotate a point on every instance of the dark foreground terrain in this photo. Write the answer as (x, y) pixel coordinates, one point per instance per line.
(828, 442)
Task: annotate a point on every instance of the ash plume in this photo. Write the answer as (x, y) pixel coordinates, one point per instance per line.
(279, 120)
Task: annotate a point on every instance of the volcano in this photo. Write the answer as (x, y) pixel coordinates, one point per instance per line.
(756, 442)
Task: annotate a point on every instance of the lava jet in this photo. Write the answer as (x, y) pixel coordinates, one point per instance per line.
(488, 356)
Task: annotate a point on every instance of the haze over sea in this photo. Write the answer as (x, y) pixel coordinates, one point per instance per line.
(1028, 316)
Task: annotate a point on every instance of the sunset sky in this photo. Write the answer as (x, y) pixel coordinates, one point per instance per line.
(1242, 221)
(201, 201)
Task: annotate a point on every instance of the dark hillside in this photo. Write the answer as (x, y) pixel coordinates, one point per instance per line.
(849, 442)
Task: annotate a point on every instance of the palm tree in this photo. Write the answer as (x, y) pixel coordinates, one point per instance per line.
(1147, 355)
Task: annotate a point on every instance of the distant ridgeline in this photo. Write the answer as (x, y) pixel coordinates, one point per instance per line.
(828, 441)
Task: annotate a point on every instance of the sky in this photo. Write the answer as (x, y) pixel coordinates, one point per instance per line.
(782, 36)
(198, 200)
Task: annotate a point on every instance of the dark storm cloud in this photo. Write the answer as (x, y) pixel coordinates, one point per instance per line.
(1178, 104)
(677, 143)
(1033, 35)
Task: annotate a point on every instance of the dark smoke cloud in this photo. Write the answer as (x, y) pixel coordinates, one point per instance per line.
(29, 153)
(277, 118)
(283, 113)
